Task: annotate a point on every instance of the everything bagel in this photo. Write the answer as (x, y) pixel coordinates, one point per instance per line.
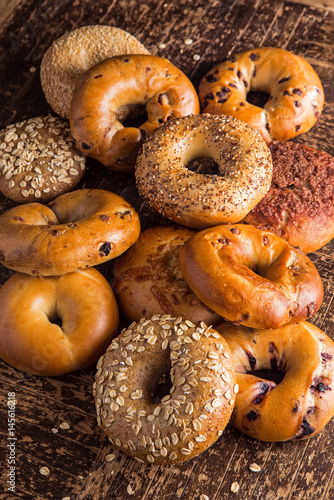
(251, 277)
(296, 96)
(199, 200)
(107, 92)
(80, 229)
(301, 404)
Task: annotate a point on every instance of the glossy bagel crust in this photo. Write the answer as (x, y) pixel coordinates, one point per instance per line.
(148, 278)
(251, 277)
(78, 230)
(55, 325)
(105, 94)
(299, 205)
(296, 95)
(301, 404)
(199, 200)
(194, 413)
(74, 53)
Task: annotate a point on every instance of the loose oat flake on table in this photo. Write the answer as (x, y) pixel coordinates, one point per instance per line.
(38, 160)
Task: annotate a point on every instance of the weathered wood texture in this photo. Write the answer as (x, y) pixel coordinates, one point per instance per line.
(76, 456)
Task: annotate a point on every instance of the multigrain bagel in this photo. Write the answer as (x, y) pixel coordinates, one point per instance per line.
(199, 200)
(74, 53)
(55, 325)
(300, 405)
(148, 279)
(296, 96)
(251, 277)
(106, 92)
(80, 229)
(195, 410)
(299, 205)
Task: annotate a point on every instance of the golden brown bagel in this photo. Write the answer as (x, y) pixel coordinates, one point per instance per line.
(199, 200)
(105, 94)
(296, 96)
(74, 53)
(80, 229)
(55, 325)
(195, 410)
(148, 278)
(301, 404)
(250, 276)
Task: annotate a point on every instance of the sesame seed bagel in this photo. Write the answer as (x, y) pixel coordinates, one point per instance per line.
(148, 278)
(38, 160)
(198, 200)
(193, 414)
(296, 95)
(106, 92)
(299, 205)
(55, 325)
(74, 53)
(300, 402)
(251, 276)
(78, 230)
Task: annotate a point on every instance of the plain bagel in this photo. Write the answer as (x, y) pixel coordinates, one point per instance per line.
(80, 229)
(105, 94)
(251, 277)
(55, 325)
(198, 200)
(301, 401)
(296, 96)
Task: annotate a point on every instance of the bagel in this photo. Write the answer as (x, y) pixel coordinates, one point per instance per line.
(148, 278)
(300, 405)
(296, 95)
(299, 205)
(105, 94)
(80, 229)
(199, 400)
(198, 200)
(55, 325)
(251, 276)
(74, 53)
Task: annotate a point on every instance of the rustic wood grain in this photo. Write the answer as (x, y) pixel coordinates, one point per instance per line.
(76, 457)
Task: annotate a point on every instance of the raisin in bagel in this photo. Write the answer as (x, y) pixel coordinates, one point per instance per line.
(55, 325)
(106, 92)
(301, 404)
(198, 405)
(80, 229)
(299, 205)
(148, 278)
(200, 200)
(296, 96)
(74, 53)
(251, 276)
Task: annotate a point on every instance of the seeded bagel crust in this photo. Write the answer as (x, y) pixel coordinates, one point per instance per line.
(198, 406)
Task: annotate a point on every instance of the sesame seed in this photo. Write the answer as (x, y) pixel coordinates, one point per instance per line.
(110, 457)
(235, 487)
(254, 467)
(44, 471)
(129, 490)
(64, 425)
(196, 57)
(188, 41)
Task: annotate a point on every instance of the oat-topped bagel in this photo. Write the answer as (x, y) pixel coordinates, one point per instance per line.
(197, 406)
(74, 53)
(299, 205)
(200, 200)
(80, 229)
(148, 279)
(38, 160)
(107, 92)
(296, 96)
(250, 276)
(301, 400)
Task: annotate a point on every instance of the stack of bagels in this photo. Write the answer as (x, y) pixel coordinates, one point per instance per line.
(218, 301)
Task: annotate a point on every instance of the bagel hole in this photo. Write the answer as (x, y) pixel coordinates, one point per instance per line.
(203, 165)
(162, 388)
(257, 98)
(132, 115)
(274, 375)
(56, 320)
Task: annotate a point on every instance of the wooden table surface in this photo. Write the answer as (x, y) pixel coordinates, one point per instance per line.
(75, 454)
